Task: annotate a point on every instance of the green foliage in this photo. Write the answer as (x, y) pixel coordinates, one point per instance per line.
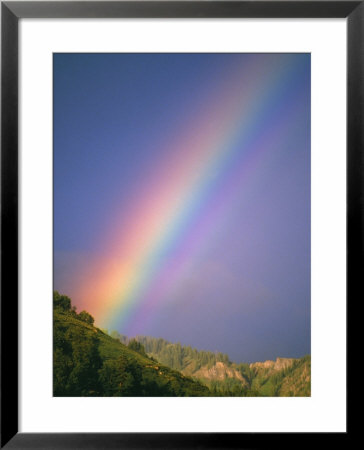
(137, 347)
(178, 356)
(88, 362)
(76, 361)
(121, 377)
(61, 302)
(294, 380)
(86, 317)
(254, 382)
(119, 337)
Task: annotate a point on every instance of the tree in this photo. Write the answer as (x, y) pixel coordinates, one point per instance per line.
(76, 361)
(121, 377)
(137, 347)
(86, 317)
(61, 302)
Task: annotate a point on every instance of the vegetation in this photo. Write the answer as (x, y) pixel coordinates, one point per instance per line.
(291, 381)
(88, 362)
(286, 377)
(174, 355)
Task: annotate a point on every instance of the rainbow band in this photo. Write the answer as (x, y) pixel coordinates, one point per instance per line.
(191, 192)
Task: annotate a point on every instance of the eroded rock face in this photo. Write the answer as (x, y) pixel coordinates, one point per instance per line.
(294, 378)
(218, 372)
(283, 363)
(262, 365)
(278, 364)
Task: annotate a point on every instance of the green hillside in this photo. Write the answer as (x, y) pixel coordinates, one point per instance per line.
(283, 377)
(88, 362)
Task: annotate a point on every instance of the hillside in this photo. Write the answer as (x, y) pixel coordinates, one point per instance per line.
(283, 377)
(286, 376)
(88, 362)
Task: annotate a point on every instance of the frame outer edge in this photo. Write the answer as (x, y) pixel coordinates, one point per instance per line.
(183, 9)
(355, 167)
(9, 224)
(10, 12)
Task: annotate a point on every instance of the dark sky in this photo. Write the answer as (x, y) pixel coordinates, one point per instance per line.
(182, 197)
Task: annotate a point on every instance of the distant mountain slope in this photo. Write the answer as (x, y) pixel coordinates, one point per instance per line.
(88, 362)
(176, 355)
(283, 377)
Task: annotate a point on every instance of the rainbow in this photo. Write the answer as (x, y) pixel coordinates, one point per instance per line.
(215, 157)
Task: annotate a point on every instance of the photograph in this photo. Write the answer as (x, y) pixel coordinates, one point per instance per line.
(181, 225)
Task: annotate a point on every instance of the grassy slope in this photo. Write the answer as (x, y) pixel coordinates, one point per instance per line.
(111, 349)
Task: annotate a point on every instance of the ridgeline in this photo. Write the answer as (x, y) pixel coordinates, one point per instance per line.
(284, 377)
(87, 361)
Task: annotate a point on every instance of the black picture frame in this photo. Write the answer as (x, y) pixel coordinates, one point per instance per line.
(11, 12)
